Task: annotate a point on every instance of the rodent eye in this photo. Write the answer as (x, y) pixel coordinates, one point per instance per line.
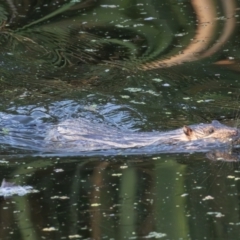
(211, 131)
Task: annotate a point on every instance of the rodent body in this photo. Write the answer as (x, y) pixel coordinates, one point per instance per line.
(81, 136)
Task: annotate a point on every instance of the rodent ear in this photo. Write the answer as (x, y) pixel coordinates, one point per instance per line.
(187, 130)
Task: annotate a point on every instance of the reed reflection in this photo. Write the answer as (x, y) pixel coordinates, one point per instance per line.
(122, 198)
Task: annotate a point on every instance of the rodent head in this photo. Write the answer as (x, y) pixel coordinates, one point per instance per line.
(213, 130)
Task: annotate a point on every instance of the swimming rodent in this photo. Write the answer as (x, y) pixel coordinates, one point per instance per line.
(81, 136)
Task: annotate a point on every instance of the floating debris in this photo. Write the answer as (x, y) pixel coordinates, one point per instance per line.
(117, 174)
(155, 235)
(208, 198)
(60, 197)
(109, 6)
(137, 102)
(3, 161)
(57, 170)
(216, 214)
(124, 166)
(125, 96)
(149, 18)
(8, 189)
(95, 204)
(157, 79)
(50, 229)
(74, 236)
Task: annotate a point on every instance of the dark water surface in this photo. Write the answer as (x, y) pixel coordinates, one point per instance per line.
(135, 65)
(165, 196)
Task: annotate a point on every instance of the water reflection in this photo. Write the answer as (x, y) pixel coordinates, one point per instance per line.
(139, 197)
(65, 33)
(57, 50)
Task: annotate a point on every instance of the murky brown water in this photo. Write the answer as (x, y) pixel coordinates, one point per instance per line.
(139, 65)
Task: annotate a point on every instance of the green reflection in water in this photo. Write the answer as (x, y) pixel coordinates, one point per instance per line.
(173, 196)
(125, 197)
(170, 206)
(128, 189)
(68, 48)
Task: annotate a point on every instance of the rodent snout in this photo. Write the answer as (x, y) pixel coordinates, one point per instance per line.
(235, 132)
